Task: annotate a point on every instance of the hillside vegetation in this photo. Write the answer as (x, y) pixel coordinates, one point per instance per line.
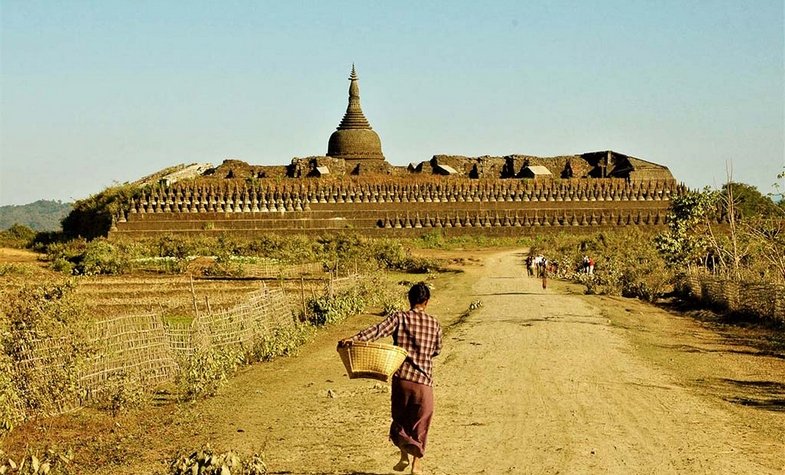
(42, 215)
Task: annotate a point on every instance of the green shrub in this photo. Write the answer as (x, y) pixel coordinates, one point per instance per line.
(17, 236)
(14, 269)
(380, 292)
(92, 217)
(48, 313)
(101, 257)
(51, 462)
(627, 262)
(62, 265)
(82, 257)
(208, 462)
(282, 341)
(121, 392)
(178, 247)
(11, 403)
(207, 370)
(226, 264)
(389, 253)
(324, 310)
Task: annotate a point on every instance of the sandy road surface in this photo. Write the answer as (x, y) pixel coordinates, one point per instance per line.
(542, 383)
(536, 381)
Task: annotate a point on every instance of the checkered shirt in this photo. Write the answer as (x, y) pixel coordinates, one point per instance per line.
(416, 332)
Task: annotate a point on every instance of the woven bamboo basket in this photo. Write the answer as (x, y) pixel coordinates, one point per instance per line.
(372, 360)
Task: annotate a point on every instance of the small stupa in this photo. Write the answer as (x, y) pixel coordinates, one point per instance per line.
(354, 139)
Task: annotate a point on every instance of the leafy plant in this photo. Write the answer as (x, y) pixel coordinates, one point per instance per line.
(207, 370)
(11, 403)
(92, 217)
(53, 314)
(101, 257)
(208, 462)
(121, 392)
(627, 262)
(282, 341)
(325, 309)
(17, 236)
(51, 462)
(14, 269)
(685, 242)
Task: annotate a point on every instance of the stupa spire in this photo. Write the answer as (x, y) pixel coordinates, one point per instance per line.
(354, 117)
(354, 139)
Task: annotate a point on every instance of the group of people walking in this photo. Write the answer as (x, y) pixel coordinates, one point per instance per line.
(540, 266)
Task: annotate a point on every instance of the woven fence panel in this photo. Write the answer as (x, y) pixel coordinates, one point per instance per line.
(761, 299)
(779, 303)
(694, 286)
(180, 338)
(38, 360)
(246, 323)
(134, 346)
(274, 270)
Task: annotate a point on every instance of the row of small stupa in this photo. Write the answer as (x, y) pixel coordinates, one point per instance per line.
(245, 200)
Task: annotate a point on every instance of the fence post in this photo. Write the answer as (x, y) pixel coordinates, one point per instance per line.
(193, 297)
(302, 293)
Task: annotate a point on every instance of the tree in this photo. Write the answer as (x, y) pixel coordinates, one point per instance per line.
(92, 217)
(685, 242)
(749, 202)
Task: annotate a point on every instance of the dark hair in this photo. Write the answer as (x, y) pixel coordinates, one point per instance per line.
(419, 293)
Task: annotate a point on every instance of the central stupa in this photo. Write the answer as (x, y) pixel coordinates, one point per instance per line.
(354, 139)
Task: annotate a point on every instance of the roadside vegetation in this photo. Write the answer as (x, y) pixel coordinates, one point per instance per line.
(735, 233)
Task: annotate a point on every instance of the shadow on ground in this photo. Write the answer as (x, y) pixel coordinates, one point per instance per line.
(767, 395)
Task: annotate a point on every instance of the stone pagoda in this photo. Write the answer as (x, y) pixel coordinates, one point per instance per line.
(354, 140)
(354, 189)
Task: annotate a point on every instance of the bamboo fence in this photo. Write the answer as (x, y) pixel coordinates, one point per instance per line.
(143, 349)
(763, 300)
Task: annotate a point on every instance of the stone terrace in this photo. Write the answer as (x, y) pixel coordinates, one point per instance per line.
(389, 206)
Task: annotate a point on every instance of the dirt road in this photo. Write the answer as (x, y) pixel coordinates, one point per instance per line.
(536, 381)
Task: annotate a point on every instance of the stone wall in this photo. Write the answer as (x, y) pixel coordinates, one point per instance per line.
(396, 207)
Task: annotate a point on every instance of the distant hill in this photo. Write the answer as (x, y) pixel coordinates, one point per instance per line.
(43, 215)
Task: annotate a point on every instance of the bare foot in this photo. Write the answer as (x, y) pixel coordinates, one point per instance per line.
(416, 469)
(403, 463)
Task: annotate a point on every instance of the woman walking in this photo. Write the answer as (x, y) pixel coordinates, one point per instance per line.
(411, 401)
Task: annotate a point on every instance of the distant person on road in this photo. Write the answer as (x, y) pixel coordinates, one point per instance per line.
(530, 265)
(412, 385)
(544, 272)
(542, 264)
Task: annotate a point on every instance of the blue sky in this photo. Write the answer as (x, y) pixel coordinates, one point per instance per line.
(98, 92)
